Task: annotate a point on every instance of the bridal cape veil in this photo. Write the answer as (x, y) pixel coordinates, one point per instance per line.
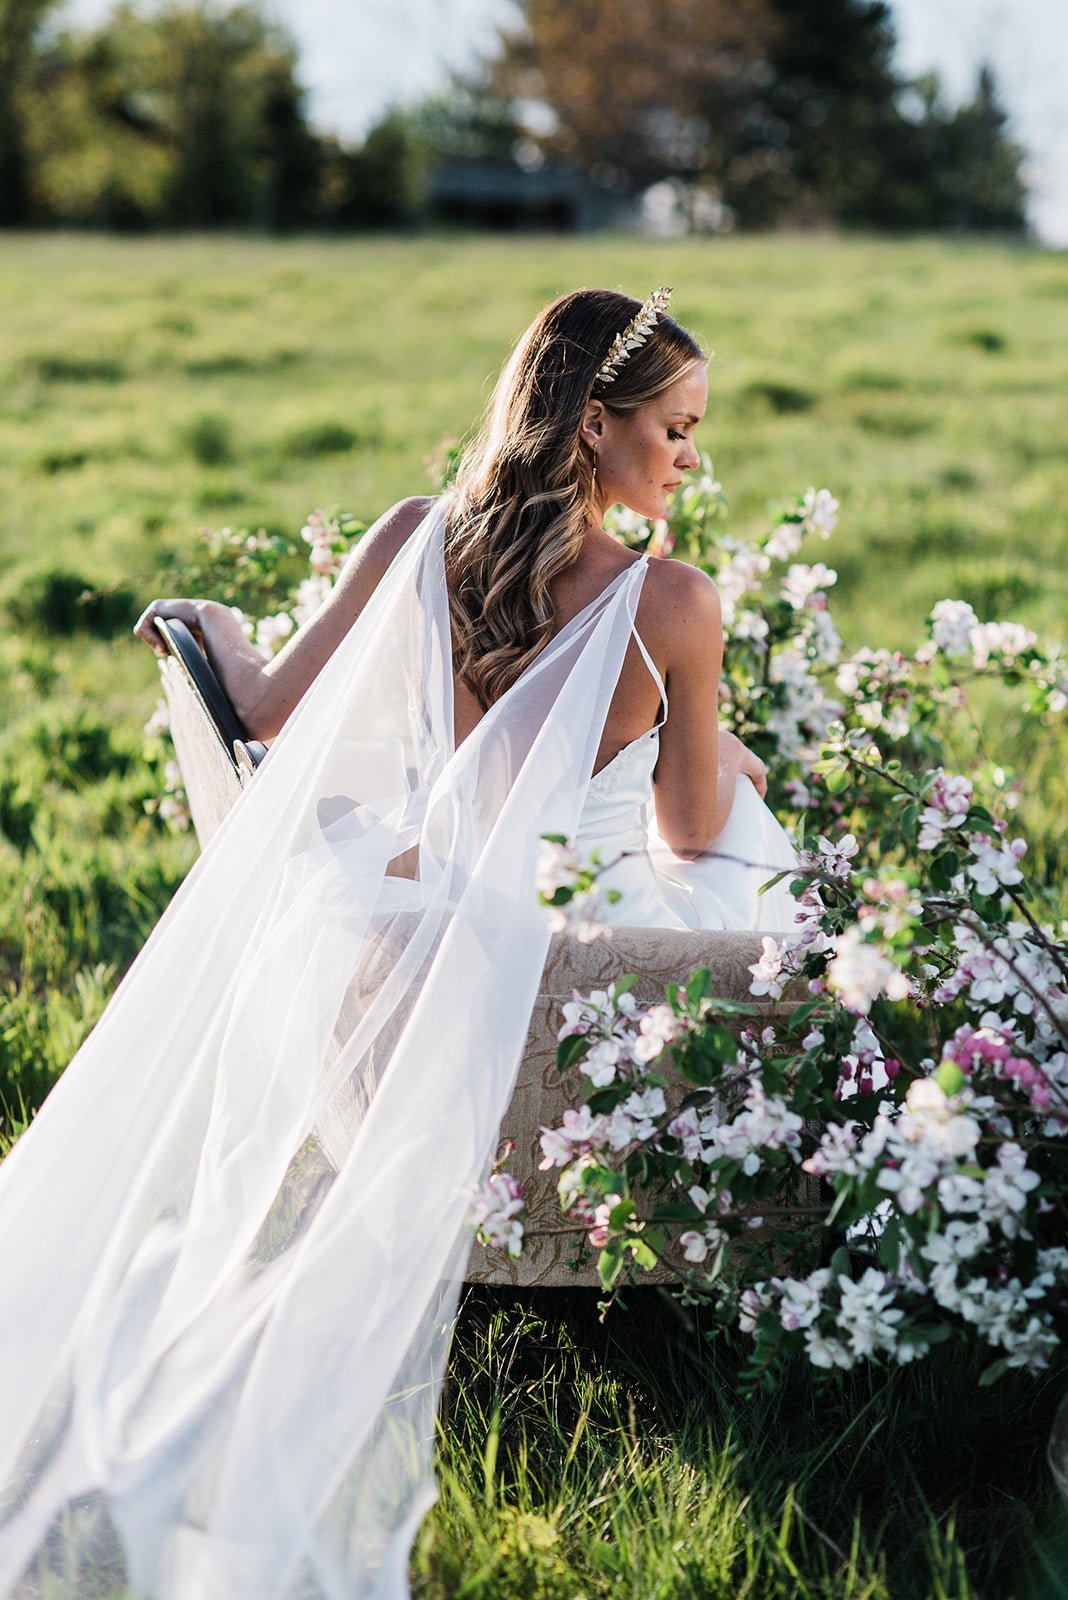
(232, 1240)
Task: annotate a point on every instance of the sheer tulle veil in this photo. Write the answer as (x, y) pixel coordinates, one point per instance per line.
(233, 1238)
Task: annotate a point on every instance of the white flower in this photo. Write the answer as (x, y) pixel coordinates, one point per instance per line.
(868, 1316)
(645, 1107)
(785, 541)
(953, 623)
(600, 1062)
(960, 1192)
(836, 1153)
(946, 808)
(801, 1298)
(958, 1241)
(767, 972)
(996, 863)
(750, 625)
(820, 511)
(159, 722)
(657, 1029)
(557, 867)
(684, 1127)
(859, 972)
(751, 1304)
(1007, 640)
(909, 1181)
(823, 1351)
(834, 856)
(579, 1128)
(741, 575)
(1006, 1188)
(801, 582)
(495, 1213)
(696, 1244)
(620, 1129)
(766, 1123)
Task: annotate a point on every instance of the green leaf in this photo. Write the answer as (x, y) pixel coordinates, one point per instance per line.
(620, 1215)
(997, 1370)
(720, 1041)
(555, 838)
(610, 1264)
(698, 986)
(927, 1333)
(646, 1250)
(841, 1266)
(949, 1077)
(571, 1050)
(624, 984)
(838, 780)
(602, 1101)
(802, 1012)
(779, 876)
(911, 814)
(676, 1211)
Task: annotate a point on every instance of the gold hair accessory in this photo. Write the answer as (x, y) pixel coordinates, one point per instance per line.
(633, 336)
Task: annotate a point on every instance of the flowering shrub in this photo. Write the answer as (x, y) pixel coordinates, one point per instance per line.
(906, 1127)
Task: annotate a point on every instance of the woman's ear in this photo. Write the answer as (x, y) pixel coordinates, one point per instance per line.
(591, 428)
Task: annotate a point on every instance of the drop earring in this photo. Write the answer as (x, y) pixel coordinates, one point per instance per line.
(594, 448)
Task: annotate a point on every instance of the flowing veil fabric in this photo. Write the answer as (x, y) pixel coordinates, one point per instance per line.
(233, 1238)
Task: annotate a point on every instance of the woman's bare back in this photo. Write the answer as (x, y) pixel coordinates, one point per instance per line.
(635, 706)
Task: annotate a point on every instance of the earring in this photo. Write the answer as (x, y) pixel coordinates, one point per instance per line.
(594, 448)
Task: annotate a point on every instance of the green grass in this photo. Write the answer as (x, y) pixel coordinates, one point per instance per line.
(148, 387)
(149, 383)
(578, 1459)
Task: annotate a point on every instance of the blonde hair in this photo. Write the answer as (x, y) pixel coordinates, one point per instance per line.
(520, 508)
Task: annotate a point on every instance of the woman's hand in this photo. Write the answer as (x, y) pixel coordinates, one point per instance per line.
(749, 765)
(191, 612)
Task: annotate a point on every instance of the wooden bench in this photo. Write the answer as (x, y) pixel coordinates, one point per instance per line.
(217, 759)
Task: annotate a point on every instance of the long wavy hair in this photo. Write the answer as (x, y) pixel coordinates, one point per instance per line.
(524, 492)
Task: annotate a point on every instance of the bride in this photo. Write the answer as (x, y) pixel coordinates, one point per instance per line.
(221, 1352)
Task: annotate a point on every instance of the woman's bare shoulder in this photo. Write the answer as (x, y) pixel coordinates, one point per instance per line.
(376, 550)
(677, 601)
(396, 526)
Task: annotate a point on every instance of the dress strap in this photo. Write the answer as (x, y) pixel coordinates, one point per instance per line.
(651, 664)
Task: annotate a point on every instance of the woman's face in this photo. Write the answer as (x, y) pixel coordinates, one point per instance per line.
(642, 456)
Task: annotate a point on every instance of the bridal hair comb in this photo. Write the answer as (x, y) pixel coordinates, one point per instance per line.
(633, 336)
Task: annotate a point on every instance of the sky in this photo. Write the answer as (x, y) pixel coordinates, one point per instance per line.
(357, 57)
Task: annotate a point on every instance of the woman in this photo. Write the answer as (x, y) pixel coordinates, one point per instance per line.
(525, 552)
(234, 1235)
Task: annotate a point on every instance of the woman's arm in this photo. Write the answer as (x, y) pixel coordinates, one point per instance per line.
(699, 763)
(263, 693)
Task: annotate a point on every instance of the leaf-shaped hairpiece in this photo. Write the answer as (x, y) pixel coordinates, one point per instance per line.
(633, 336)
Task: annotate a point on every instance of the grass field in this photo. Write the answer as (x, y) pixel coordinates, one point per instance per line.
(149, 387)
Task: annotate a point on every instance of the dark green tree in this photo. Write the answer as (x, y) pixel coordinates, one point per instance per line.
(188, 116)
(380, 184)
(20, 26)
(983, 176)
(835, 91)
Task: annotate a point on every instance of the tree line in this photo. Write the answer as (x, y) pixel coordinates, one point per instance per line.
(760, 112)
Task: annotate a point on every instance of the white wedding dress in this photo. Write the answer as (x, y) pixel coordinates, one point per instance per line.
(221, 1352)
(720, 889)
